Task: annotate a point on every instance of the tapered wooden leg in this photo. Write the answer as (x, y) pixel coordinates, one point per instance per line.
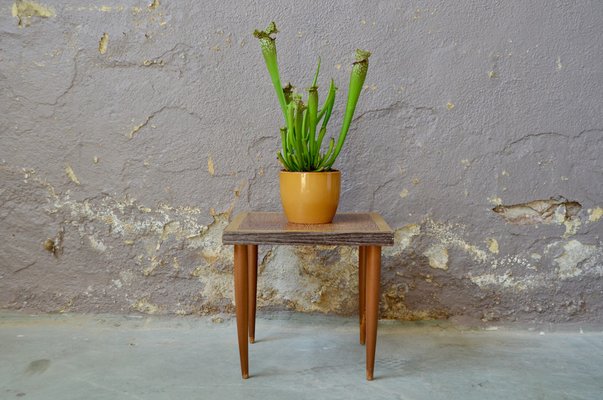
(362, 292)
(241, 289)
(252, 266)
(373, 280)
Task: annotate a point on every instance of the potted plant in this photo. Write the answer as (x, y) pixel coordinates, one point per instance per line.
(309, 185)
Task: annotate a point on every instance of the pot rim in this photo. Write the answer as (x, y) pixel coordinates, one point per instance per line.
(333, 171)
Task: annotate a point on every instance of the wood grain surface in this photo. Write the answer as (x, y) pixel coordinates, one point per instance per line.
(273, 228)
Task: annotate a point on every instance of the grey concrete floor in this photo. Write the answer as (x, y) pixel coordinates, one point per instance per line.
(295, 357)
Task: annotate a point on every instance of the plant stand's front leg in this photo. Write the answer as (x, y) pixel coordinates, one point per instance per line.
(241, 292)
(362, 292)
(373, 280)
(252, 266)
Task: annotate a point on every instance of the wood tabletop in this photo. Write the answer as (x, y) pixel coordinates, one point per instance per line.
(353, 229)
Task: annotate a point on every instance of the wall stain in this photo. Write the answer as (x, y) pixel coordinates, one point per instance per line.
(163, 243)
(37, 367)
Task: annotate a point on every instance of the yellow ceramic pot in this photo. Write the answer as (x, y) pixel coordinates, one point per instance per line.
(310, 197)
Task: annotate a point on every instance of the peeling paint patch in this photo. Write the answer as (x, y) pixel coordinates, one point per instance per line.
(437, 256)
(71, 174)
(540, 211)
(148, 63)
(574, 259)
(495, 200)
(127, 277)
(513, 262)
(571, 226)
(595, 214)
(492, 245)
(402, 239)
(103, 43)
(138, 127)
(505, 280)
(25, 10)
(97, 244)
(144, 306)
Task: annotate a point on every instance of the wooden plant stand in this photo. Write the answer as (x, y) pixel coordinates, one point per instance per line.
(368, 231)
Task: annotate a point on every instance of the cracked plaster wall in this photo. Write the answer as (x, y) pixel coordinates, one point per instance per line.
(131, 132)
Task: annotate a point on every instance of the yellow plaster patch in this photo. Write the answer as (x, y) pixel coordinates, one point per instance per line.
(437, 256)
(24, 10)
(103, 43)
(492, 245)
(210, 166)
(595, 214)
(71, 175)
